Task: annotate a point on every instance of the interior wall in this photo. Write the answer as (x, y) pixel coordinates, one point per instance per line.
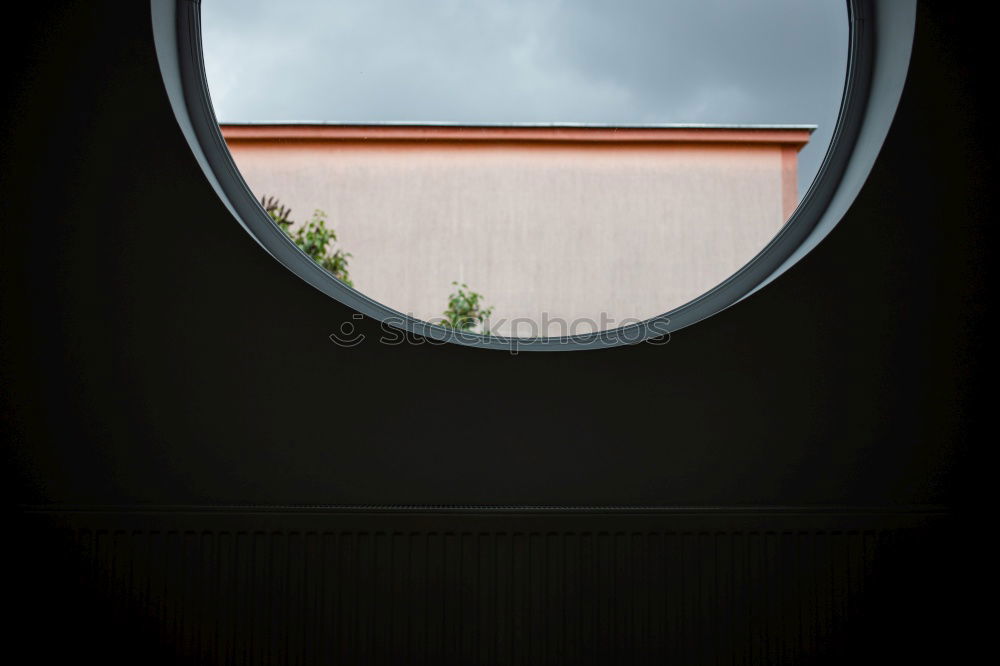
(155, 353)
(154, 356)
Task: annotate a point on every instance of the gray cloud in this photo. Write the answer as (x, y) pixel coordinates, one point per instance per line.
(500, 61)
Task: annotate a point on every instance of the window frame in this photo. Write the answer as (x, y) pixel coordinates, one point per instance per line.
(880, 42)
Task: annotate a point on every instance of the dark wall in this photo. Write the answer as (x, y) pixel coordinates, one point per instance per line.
(152, 353)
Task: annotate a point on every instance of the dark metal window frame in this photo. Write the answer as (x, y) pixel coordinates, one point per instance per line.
(881, 38)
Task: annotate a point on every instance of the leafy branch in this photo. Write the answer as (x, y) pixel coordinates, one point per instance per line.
(465, 310)
(314, 238)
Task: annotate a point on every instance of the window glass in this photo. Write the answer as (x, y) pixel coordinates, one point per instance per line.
(528, 167)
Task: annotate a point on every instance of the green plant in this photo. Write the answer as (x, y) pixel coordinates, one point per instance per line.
(313, 238)
(465, 310)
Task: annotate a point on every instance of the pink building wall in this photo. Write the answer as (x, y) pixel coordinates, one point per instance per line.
(581, 224)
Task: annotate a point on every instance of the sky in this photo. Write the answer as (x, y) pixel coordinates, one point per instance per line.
(618, 62)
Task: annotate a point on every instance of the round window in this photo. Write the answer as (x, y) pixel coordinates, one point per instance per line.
(544, 174)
